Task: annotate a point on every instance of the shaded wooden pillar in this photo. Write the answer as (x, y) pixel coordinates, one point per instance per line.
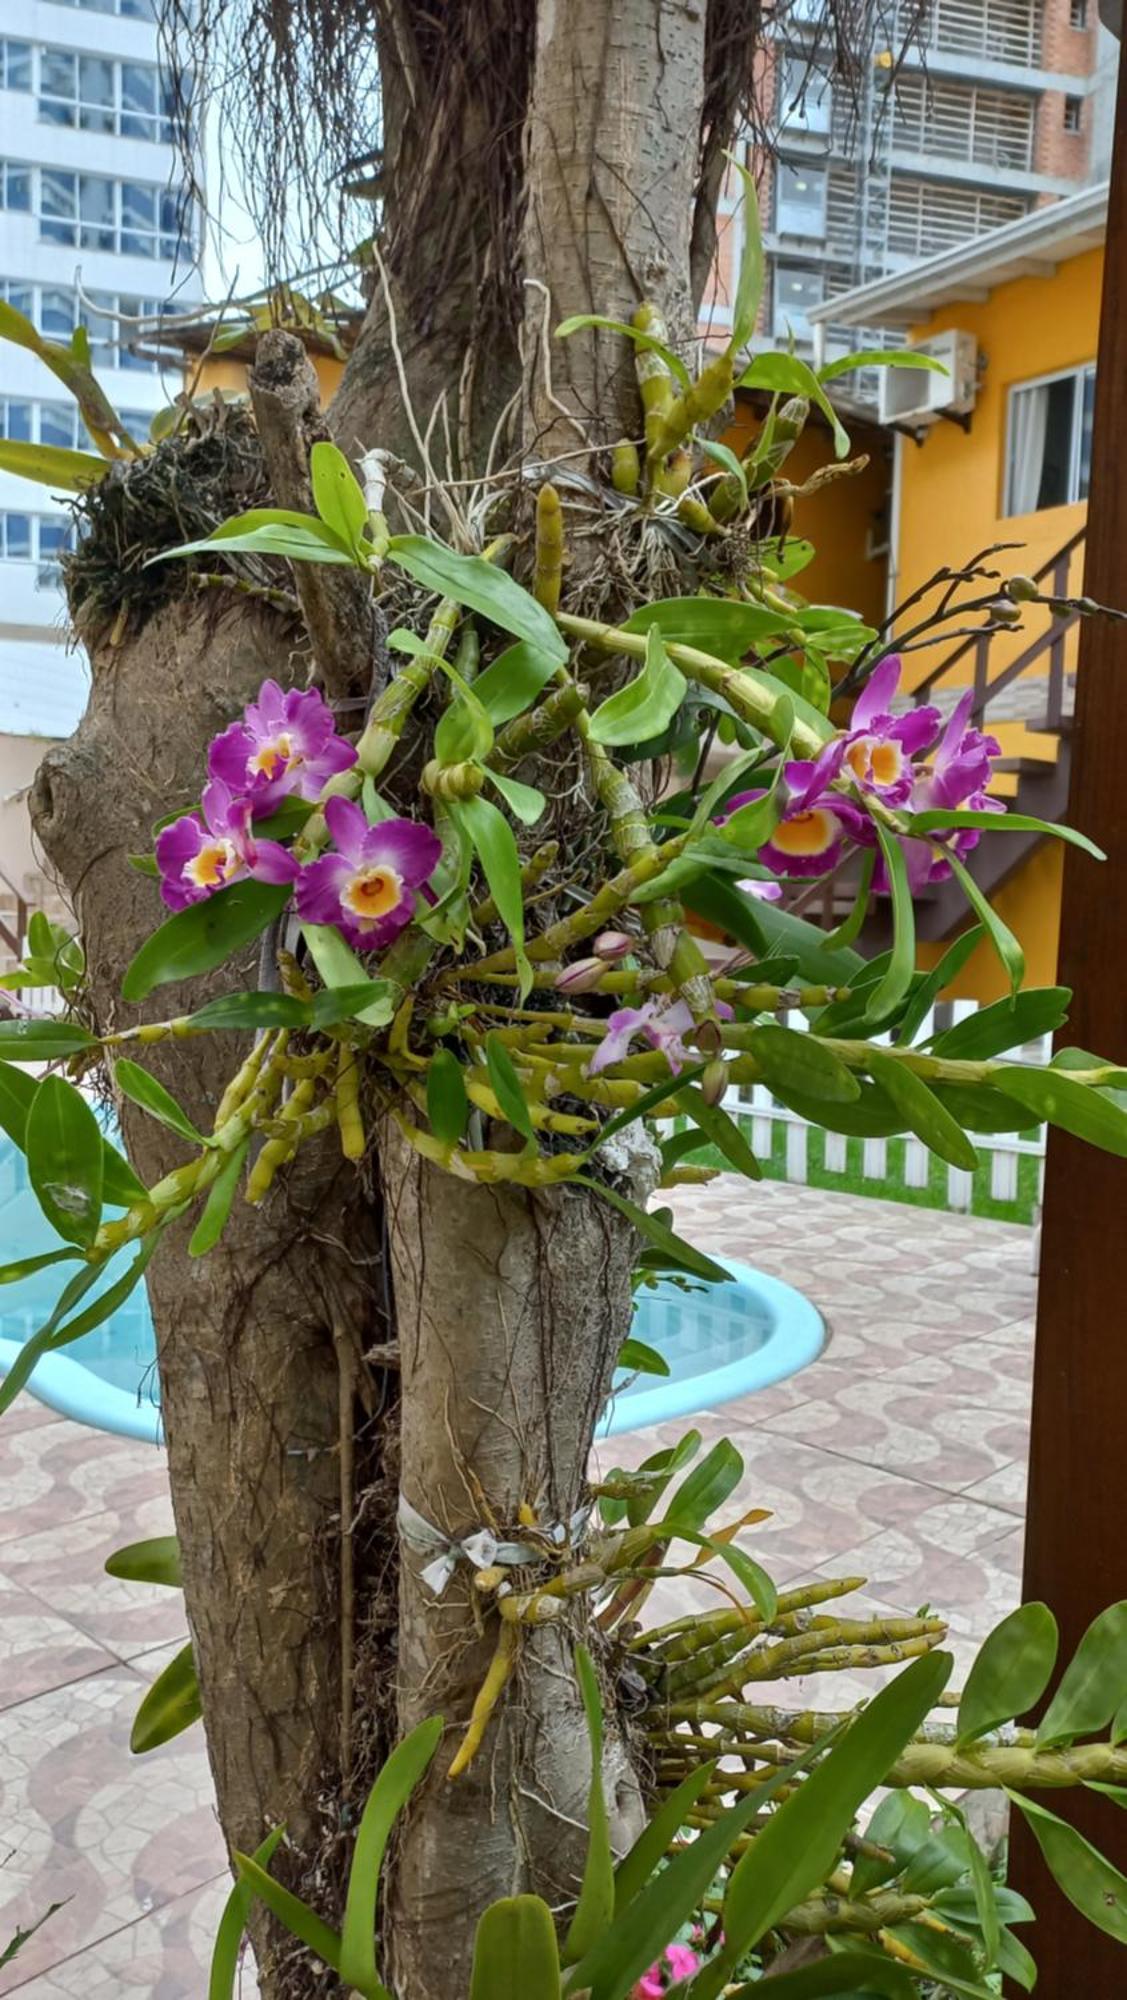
(1076, 1535)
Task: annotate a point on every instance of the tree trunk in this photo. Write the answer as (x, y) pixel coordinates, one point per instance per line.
(542, 159)
(511, 1307)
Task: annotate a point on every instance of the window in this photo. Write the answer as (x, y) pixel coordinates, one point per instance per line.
(133, 10)
(15, 186)
(796, 291)
(16, 420)
(1049, 441)
(1078, 13)
(91, 212)
(54, 310)
(15, 537)
(800, 201)
(1073, 114)
(15, 65)
(96, 94)
(805, 96)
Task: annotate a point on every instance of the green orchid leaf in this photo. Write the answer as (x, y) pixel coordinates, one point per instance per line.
(515, 1954)
(1081, 1872)
(65, 1160)
(199, 938)
(792, 1060)
(922, 1111)
(51, 465)
(646, 704)
(1092, 1685)
(482, 587)
(507, 1088)
(448, 1107)
(144, 1090)
(524, 801)
(398, 1778)
(42, 1041)
(154, 1561)
(579, 322)
(939, 821)
(1010, 1673)
(171, 1705)
(896, 983)
(226, 1955)
(716, 1124)
(1001, 937)
(640, 1358)
(680, 1255)
(220, 1198)
(338, 495)
(1005, 1024)
(1075, 1107)
(595, 1907)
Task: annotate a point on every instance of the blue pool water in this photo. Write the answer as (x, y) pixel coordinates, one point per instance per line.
(720, 1341)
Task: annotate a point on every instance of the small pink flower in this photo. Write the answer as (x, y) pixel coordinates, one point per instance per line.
(662, 1023)
(677, 1962)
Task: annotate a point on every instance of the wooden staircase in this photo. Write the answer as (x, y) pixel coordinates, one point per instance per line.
(1028, 704)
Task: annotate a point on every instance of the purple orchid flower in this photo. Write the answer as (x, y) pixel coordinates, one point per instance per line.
(367, 888)
(763, 892)
(957, 776)
(876, 752)
(662, 1023)
(198, 857)
(812, 831)
(286, 744)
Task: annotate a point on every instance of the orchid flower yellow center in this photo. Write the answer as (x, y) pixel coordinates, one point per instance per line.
(373, 893)
(212, 865)
(806, 833)
(874, 762)
(274, 756)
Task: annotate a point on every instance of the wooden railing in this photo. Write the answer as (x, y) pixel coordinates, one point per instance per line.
(14, 941)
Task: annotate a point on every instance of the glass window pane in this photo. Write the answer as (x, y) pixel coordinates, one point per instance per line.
(17, 189)
(17, 65)
(138, 219)
(138, 87)
(1041, 435)
(56, 313)
(17, 421)
(1087, 412)
(96, 207)
(795, 292)
(17, 535)
(805, 97)
(102, 331)
(800, 201)
(58, 78)
(96, 94)
(58, 204)
(56, 424)
(54, 536)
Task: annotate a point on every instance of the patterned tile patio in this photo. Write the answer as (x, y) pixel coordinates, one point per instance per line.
(898, 1456)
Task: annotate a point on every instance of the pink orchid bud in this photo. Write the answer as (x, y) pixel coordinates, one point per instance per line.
(714, 1082)
(613, 945)
(581, 976)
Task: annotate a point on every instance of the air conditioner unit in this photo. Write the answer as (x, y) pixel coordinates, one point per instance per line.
(921, 395)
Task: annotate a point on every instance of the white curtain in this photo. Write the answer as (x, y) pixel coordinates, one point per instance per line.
(1029, 420)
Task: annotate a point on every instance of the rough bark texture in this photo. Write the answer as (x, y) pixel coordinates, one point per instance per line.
(612, 155)
(247, 1368)
(511, 1307)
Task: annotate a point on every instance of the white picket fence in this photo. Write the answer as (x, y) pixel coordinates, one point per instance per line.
(899, 1168)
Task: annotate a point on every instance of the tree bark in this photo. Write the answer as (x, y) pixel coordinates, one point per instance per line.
(511, 1306)
(248, 1375)
(556, 144)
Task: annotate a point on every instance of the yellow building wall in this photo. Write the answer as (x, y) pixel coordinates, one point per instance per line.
(223, 371)
(951, 506)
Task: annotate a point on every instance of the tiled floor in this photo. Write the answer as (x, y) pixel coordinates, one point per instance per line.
(898, 1457)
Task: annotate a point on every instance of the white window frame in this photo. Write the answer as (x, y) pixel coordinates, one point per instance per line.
(28, 48)
(108, 349)
(47, 564)
(1078, 375)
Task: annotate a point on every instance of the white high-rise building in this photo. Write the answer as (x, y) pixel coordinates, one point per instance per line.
(94, 230)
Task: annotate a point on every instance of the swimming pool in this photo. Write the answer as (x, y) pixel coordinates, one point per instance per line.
(720, 1341)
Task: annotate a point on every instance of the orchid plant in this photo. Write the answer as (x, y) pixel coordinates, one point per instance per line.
(441, 957)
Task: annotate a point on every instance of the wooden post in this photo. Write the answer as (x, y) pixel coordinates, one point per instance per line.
(1076, 1534)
